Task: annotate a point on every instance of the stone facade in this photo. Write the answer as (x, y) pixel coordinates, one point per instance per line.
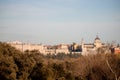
(91, 47)
(62, 48)
(27, 46)
(83, 48)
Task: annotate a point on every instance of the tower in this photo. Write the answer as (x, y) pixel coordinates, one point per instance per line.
(82, 43)
(83, 47)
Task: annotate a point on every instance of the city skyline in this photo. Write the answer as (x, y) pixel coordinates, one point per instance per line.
(59, 21)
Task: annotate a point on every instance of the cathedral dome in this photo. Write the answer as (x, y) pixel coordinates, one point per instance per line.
(97, 42)
(97, 38)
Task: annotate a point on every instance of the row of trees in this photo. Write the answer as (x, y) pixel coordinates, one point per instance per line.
(16, 65)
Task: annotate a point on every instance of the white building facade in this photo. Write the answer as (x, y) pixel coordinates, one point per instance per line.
(88, 48)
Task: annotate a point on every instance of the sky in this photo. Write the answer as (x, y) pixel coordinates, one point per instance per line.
(59, 21)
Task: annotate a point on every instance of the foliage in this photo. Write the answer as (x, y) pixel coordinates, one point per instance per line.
(31, 65)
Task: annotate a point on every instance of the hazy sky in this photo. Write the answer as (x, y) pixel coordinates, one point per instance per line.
(59, 21)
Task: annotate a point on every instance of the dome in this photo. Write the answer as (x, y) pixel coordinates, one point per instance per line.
(97, 38)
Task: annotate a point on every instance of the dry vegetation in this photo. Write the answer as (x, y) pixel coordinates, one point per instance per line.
(15, 65)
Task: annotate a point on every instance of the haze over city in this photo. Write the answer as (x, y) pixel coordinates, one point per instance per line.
(59, 21)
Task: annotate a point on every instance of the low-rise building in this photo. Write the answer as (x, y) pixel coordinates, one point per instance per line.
(117, 50)
(62, 48)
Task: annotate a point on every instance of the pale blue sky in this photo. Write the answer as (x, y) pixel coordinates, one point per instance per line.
(59, 21)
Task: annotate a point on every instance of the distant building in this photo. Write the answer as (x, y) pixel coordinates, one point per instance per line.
(49, 50)
(83, 48)
(117, 50)
(62, 48)
(75, 48)
(27, 46)
(91, 47)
